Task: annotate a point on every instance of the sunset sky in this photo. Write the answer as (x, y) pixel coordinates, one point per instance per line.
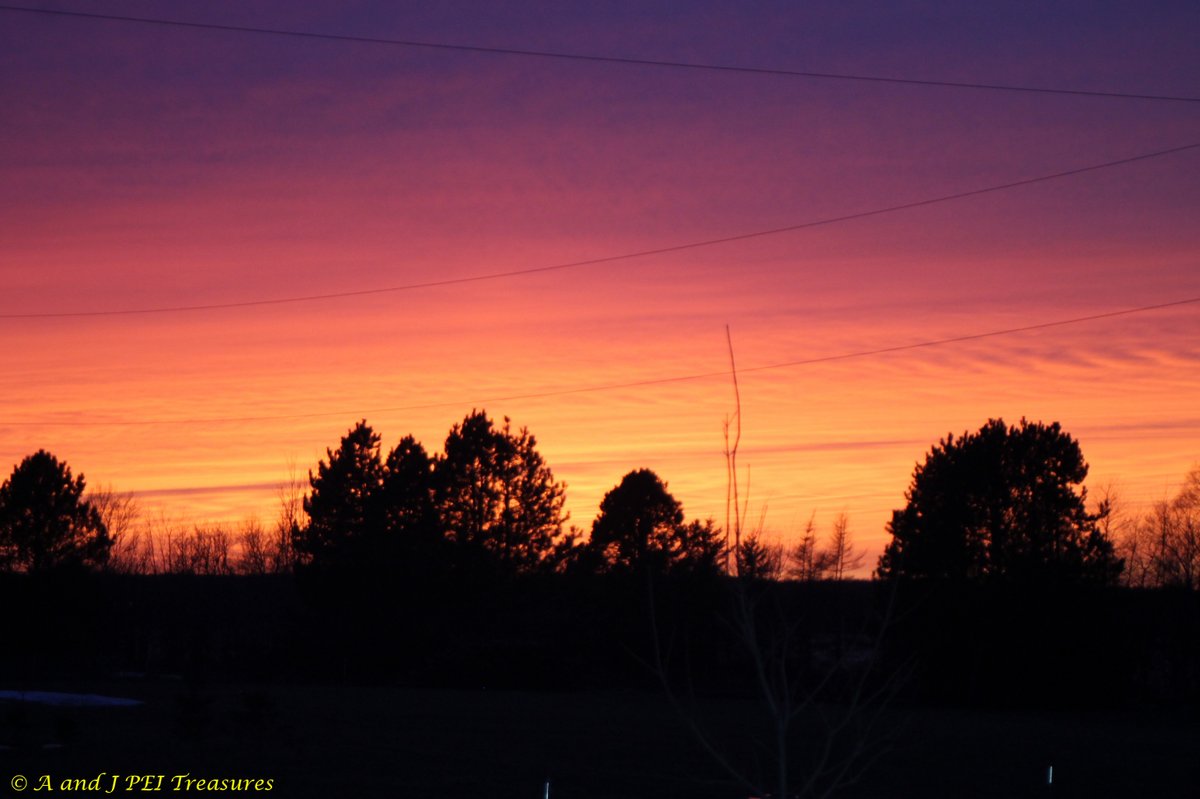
(150, 167)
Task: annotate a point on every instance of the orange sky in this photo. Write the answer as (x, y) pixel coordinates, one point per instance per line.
(147, 167)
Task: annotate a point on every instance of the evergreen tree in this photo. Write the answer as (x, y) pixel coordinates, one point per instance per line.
(640, 525)
(759, 560)
(496, 498)
(45, 523)
(345, 513)
(1000, 504)
(410, 520)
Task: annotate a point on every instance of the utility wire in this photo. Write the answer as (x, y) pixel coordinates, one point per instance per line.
(975, 336)
(617, 386)
(605, 259)
(642, 62)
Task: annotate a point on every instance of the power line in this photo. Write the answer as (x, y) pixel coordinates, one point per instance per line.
(604, 259)
(976, 336)
(618, 386)
(642, 62)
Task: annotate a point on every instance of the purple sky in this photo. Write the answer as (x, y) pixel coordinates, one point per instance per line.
(147, 166)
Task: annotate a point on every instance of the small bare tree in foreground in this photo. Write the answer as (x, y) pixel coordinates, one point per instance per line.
(829, 708)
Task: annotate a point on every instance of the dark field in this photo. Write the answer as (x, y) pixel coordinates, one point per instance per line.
(322, 741)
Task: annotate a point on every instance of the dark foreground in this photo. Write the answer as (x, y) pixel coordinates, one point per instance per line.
(322, 741)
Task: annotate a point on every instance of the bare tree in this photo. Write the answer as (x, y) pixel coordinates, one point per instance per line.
(1163, 547)
(282, 555)
(1179, 552)
(118, 510)
(1172, 533)
(205, 549)
(822, 705)
(136, 555)
(122, 516)
(1127, 534)
(254, 553)
(806, 561)
(794, 696)
(1186, 549)
(734, 510)
(842, 555)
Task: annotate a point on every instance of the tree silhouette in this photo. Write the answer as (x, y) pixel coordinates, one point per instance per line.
(641, 525)
(806, 561)
(758, 559)
(843, 556)
(343, 507)
(1163, 547)
(496, 498)
(409, 511)
(45, 523)
(1000, 504)
(122, 519)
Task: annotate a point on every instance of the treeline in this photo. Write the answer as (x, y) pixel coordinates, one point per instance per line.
(1001, 587)
(1000, 504)
(486, 503)
(460, 566)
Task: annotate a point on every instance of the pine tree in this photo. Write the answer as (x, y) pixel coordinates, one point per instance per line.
(1000, 505)
(45, 523)
(496, 498)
